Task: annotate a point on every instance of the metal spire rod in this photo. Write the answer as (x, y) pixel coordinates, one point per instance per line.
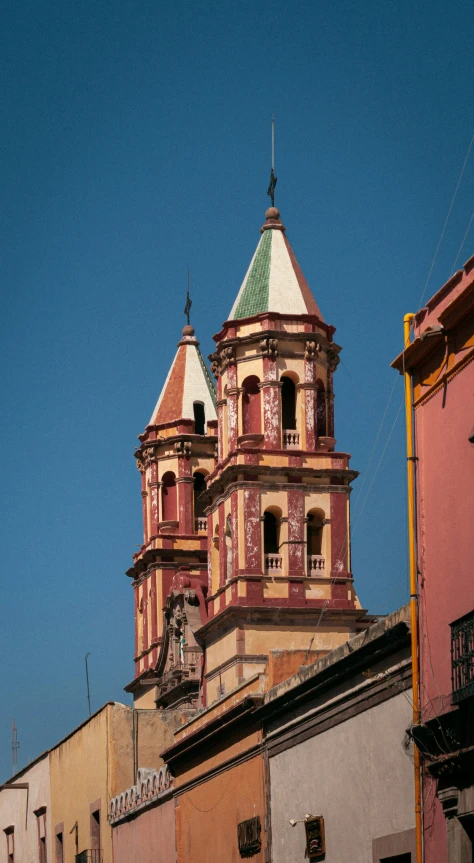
(187, 308)
(273, 142)
(273, 179)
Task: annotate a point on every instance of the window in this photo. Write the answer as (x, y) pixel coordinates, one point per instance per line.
(462, 657)
(41, 825)
(95, 830)
(288, 404)
(270, 533)
(168, 497)
(10, 837)
(199, 418)
(314, 533)
(198, 488)
(399, 858)
(251, 418)
(321, 424)
(59, 848)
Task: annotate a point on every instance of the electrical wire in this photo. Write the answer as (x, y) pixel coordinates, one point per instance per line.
(453, 268)
(446, 222)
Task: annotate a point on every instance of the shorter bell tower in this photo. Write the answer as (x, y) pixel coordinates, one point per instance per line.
(177, 453)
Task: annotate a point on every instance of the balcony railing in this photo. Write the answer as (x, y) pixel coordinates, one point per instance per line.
(316, 565)
(91, 855)
(273, 564)
(462, 657)
(291, 439)
(200, 524)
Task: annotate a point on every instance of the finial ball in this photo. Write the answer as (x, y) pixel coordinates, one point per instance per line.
(188, 330)
(272, 213)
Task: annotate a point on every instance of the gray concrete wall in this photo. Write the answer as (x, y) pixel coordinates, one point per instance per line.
(356, 774)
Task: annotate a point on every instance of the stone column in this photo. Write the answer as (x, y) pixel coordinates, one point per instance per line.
(154, 487)
(185, 500)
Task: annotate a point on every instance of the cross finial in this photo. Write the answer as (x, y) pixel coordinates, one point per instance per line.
(273, 179)
(187, 308)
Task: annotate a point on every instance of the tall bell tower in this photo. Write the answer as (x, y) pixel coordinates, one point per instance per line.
(277, 502)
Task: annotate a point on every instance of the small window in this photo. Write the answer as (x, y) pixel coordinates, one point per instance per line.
(59, 848)
(10, 837)
(95, 830)
(199, 487)
(288, 404)
(199, 418)
(270, 533)
(462, 657)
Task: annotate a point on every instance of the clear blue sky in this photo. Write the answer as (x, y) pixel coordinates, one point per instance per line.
(135, 142)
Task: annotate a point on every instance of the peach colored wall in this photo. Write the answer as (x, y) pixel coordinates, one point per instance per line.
(149, 838)
(13, 812)
(208, 815)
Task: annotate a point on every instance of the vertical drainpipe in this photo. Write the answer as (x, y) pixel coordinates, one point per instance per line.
(413, 582)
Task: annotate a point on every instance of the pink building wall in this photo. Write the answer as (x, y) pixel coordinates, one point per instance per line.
(444, 419)
(149, 838)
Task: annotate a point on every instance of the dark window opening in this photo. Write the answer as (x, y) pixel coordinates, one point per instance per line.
(199, 486)
(321, 423)
(199, 418)
(288, 404)
(270, 533)
(314, 534)
(399, 858)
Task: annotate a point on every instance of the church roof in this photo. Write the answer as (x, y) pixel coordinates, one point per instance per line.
(188, 381)
(274, 281)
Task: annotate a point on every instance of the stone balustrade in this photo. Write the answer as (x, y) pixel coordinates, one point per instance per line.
(151, 784)
(273, 564)
(316, 565)
(291, 439)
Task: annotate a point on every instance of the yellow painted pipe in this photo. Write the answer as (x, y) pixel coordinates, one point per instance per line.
(413, 586)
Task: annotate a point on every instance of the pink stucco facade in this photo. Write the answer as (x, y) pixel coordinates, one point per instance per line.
(149, 838)
(441, 361)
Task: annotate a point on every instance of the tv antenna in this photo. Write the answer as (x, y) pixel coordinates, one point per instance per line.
(15, 748)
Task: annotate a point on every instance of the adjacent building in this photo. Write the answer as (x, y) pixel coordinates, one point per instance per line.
(25, 814)
(440, 359)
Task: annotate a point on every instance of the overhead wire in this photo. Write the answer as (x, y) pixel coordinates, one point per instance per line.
(453, 268)
(446, 222)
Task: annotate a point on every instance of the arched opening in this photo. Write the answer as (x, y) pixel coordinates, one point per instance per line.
(199, 418)
(321, 424)
(314, 542)
(270, 533)
(288, 404)
(169, 507)
(199, 507)
(251, 416)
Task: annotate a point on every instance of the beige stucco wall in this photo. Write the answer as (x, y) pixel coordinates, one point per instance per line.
(356, 774)
(95, 762)
(13, 812)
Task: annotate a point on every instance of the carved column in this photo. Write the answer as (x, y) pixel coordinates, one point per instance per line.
(296, 537)
(271, 399)
(154, 487)
(253, 532)
(310, 355)
(333, 362)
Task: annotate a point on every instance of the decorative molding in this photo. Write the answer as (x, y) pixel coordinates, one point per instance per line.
(152, 785)
(269, 348)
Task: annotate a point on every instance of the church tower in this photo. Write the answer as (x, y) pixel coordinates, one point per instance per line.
(246, 546)
(177, 452)
(278, 499)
